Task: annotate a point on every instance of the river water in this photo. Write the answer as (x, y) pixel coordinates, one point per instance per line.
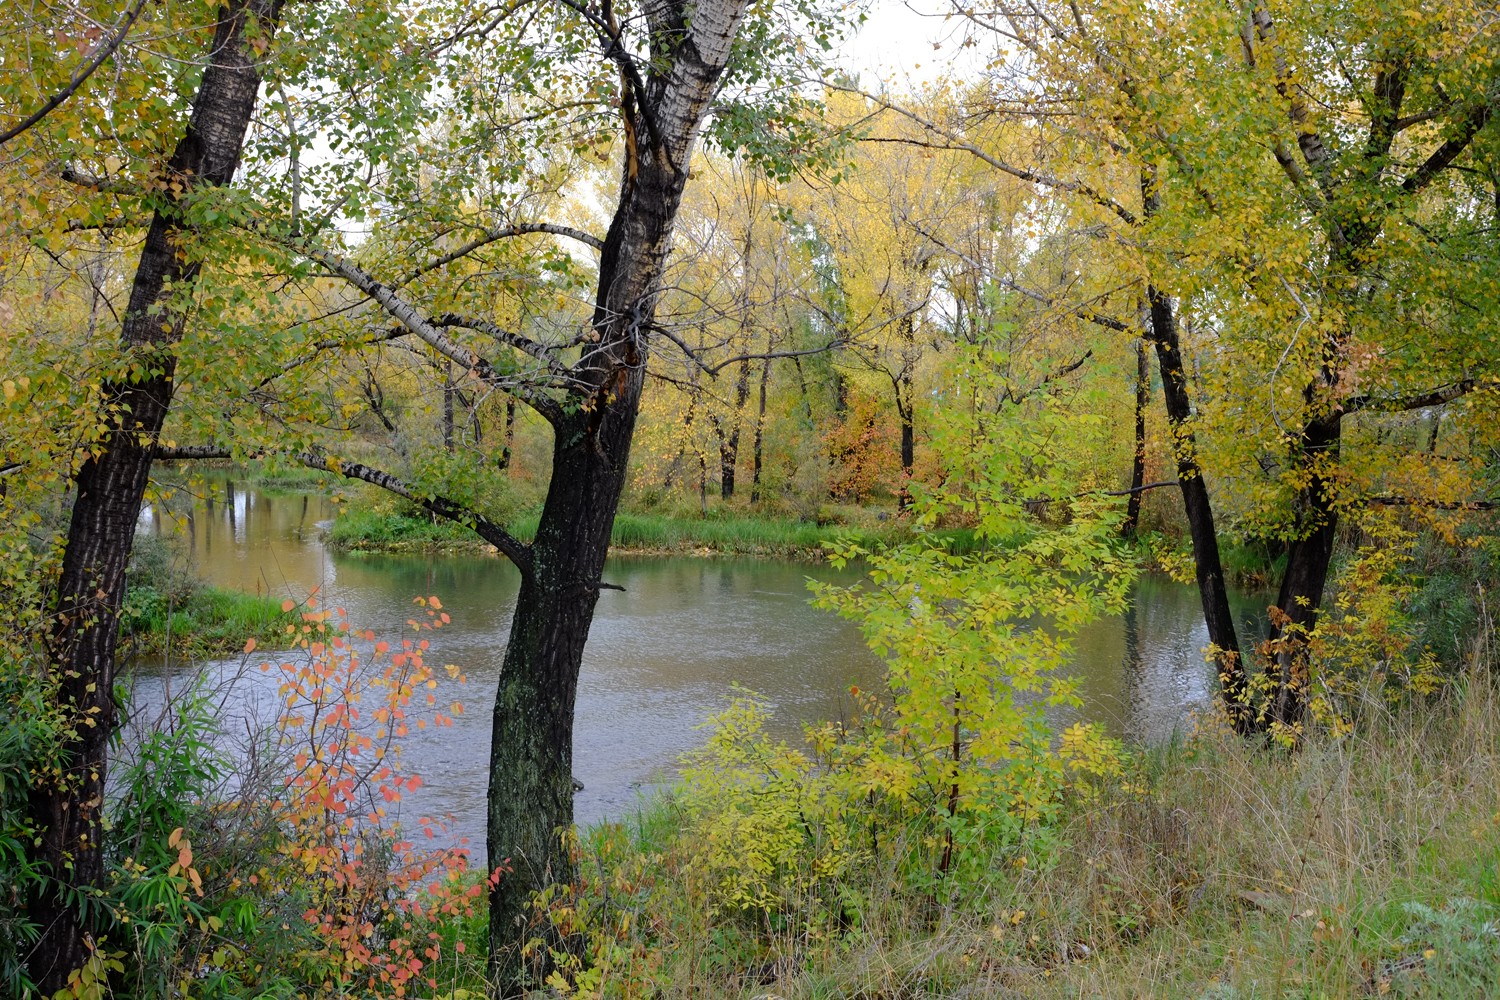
(662, 655)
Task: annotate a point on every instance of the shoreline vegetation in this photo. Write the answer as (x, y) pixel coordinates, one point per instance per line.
(370, 531)
(207, 623)
(1215, 870)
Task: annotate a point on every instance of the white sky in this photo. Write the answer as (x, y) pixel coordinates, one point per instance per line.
(909, 43)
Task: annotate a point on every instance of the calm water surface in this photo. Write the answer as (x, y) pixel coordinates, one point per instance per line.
(661, 656)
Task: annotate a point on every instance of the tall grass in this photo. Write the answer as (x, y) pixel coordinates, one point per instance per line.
(206, 622)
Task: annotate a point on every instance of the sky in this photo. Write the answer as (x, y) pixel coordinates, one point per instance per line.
(907, 43)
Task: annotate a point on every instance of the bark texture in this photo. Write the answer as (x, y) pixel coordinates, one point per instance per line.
(1207, 565)
(531, 778)
(109, 488)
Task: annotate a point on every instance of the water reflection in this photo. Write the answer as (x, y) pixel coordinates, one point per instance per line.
(662, 655)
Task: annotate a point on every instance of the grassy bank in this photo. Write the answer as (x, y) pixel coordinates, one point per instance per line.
(1362, 866)
(203, 623)
(358, 530)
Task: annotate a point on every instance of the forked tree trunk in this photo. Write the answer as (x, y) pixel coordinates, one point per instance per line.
(531, 776)
(66, 803)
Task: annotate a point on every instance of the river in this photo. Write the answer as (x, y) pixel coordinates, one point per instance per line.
(663, 653)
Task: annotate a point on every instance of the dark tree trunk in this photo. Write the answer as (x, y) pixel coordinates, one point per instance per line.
(729, 444)
(108, 491)
(906, 407)
(448, 388)
(507, 451)
(760, 426)
(1308, 559)
(1138, 458)
(1200, 516)
(1207, 564)
(908, 442)
(531, 777)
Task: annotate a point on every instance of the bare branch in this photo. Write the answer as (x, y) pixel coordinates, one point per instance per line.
(1390, 501)
(1396, 404)
(495, 235)
(101, 52)
(959, 144)
(409, 317)
(517, 551)
(539, 351)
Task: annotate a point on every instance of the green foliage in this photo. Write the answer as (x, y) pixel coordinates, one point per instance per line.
(30, 739)
(168, 609)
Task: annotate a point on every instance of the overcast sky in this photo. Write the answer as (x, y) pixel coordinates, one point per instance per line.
(908, 43)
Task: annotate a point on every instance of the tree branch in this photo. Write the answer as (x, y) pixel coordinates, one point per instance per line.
(494, 236)
(1390, 501)
(1397, 404)
(97, 58)
(526, 345)
(104, 185)
(517, 551)
(958, 144)
(1450, 149)
(408, 316)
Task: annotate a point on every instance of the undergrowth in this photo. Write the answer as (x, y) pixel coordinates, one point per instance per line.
(1364, 865)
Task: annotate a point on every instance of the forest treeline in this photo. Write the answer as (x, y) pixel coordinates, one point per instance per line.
(1156, 284)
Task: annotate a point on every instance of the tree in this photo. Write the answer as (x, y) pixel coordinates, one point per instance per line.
(577, 72)
(1297, 177)
(1072, 102)
(132, 406)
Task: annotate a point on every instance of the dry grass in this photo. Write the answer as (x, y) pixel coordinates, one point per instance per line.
(1238, 872)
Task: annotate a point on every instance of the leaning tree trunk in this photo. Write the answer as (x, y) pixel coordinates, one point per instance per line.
(531, 777)
(1200, 516)
(1207, 565)
(109, 488)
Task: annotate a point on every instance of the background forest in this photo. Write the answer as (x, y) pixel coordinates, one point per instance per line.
(1207, 290)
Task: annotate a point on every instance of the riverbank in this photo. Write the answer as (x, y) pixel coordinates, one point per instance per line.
(205, 623)
(1366, 865)
(359, 530)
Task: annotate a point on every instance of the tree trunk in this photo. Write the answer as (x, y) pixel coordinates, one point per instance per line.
(760, 425)
(448, 405)
(1200, 516)
(531, 756)
(1308, 559)
(109, 487)
(729, 445)
(507, 451)
(1207, 565)
(1138, 459)
(908, 438)
(531, 779)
